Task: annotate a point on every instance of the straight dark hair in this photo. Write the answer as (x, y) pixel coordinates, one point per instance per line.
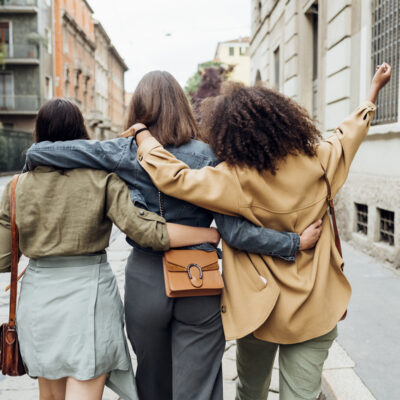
(160, 103)
(59, 119)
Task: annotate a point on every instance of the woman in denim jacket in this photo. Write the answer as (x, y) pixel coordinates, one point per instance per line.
(180, 342)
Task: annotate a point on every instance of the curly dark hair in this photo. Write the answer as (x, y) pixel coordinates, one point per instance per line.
(256, 127)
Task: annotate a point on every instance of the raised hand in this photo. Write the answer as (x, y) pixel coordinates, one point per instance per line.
(380, 79)
(382, 75)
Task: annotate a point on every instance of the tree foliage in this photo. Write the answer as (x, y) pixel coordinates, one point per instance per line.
(206, 82)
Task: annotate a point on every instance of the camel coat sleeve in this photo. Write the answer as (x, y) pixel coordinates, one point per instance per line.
(216, 189)
(337, 152)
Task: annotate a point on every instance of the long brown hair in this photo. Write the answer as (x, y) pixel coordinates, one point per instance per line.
(160, 103)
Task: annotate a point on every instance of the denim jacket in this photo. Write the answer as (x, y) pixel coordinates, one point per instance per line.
(119, 156)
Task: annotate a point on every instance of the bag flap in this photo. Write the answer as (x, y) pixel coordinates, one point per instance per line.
(182, 258)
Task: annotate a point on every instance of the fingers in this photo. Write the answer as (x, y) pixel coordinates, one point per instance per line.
(316, 224)
(128, 133)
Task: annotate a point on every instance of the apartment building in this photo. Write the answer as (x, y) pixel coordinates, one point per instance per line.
(235, 53)
(26, 67)
(74, 52)
(323, 54)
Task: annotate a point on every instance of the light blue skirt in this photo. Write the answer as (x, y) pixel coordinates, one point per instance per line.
(70, 322)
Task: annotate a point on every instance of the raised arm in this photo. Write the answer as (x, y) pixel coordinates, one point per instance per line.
(5, 231)
(338, 151)
(105, 155)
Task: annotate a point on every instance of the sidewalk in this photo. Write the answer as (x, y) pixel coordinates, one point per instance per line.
(363, 365)
(369, 338)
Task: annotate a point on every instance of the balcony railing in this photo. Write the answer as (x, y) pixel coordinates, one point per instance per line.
(19, 103)
(19, 3)
(25, 51)
(13, 145)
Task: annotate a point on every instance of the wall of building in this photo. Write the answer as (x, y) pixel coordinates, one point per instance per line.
(74, 57)
(116, 90)
(240, 59)
(341, 82)
(29, 61)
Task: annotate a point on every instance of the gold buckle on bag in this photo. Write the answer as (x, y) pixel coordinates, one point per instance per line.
(194, 281)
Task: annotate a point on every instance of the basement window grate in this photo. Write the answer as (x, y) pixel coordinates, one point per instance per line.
(386, 226)
(362, 218)
(385, 46)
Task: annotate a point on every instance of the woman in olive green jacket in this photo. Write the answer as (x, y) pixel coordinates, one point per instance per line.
(70, 314)
(273, 175)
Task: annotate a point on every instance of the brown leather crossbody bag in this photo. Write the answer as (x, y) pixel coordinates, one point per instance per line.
(333, 220)
(190, 273)
(10, 356)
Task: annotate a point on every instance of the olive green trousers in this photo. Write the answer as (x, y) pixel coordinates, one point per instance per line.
(300, 367)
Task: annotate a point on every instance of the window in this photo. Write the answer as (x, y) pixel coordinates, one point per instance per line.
(65, 40)
(258, 77)
(66, 81)
(277, 68)
(386, 47)
(243, 51)
(6, 91)
(361, 218)
(5, 38)
(231, 51)
(386, 226)
(48, 90)
(48, 40)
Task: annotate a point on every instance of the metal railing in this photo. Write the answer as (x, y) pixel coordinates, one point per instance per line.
(386, 47)
(13, 146)
(18, 51)
(19, 103)
(19, 3)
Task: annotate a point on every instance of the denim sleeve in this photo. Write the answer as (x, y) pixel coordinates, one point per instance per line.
(70, 154)
(137, 198)
(243, 235)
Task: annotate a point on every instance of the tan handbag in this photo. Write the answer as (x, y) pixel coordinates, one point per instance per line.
(10, 357)
(190, 273)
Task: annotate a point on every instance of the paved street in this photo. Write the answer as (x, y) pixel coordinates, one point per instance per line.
(3, 182)
(371, 332)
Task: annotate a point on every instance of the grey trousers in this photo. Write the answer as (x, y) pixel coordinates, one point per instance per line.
(179, 343)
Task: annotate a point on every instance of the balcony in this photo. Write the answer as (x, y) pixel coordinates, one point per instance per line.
(19, 104)
(19, 54)
(18, 6)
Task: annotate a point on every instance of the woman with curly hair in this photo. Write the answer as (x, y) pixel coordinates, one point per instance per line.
(273, 174)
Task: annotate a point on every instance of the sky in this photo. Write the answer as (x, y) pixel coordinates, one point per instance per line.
(171, 35)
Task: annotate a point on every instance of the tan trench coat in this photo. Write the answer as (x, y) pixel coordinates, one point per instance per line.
(279, 301)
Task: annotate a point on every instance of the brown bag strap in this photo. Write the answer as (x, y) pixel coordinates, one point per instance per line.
(14, 253)
(332, 212)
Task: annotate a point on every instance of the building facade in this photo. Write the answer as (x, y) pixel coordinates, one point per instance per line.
(116, 90)
(323, 54)
(74, 53)
(235, 53)
(26, 53)
(108, 114)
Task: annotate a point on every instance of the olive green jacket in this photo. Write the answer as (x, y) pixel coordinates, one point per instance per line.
(71, 213)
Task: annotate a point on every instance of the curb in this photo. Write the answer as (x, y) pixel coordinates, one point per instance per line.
(339, 378)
